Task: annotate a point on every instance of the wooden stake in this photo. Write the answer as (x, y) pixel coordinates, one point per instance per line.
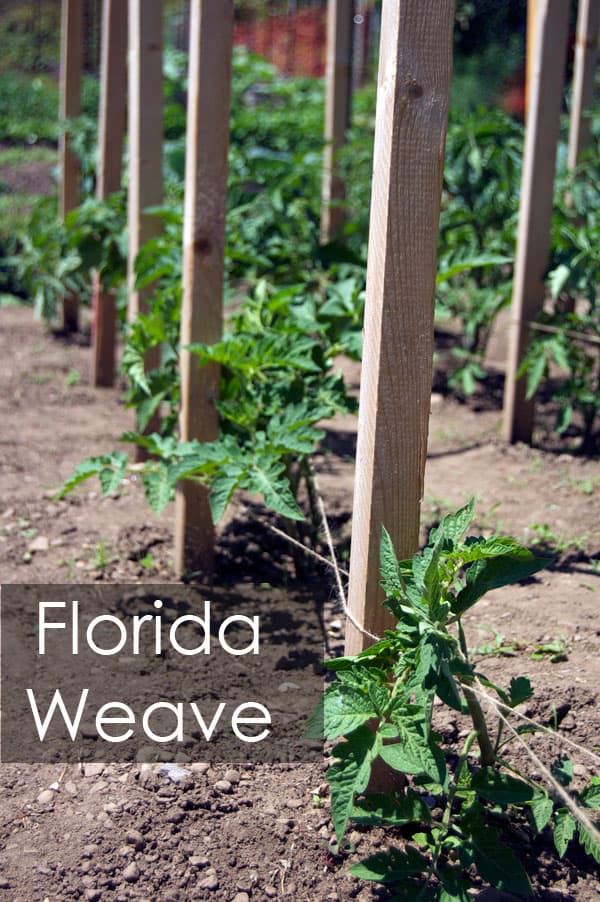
(586, 53)
(412, 111)
(338, 93)
(537, 187)
(145, 148)
(532, 11)
(209, 83)
(145, 133)
(71, 64)
(111, 129)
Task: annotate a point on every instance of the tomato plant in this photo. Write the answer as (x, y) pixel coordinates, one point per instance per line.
(456, 810)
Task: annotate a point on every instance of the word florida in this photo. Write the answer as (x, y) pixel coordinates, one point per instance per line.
(107, 634)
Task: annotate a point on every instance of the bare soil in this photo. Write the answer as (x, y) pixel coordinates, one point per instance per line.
(128, 831)
(28, 177)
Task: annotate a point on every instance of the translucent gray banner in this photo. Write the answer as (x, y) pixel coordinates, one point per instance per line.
(147, 672)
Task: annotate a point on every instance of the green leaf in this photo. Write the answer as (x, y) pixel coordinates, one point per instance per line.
(346, 708)
(110, 468)
(447, 689)
(377, 809)
(564, 419)
(558, 278)
(391, 867)
(589, 842)
(536, 370)
(541, 810)
(485, 575)
(453, 526)
(111, 479)
(315, 724)
(145, 409)
(159, 490)
(499, 787)
(266, 476)
(497, 863)
(454, 887)
(471, 263)
(564, 830)
(390, 570)
(562, 770)
(520, 690)
(349, 775)
(413, 754)
(133, 364)
(85, 470)
(560, 352)
(590, 796)
(222, 488)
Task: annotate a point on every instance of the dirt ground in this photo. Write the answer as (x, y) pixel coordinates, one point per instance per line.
(227, 832)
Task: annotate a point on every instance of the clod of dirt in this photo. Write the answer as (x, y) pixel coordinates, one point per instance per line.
(211, 882)
(134, 838)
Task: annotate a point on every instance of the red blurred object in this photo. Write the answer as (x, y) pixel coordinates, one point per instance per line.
(512, 96)
(294, 43)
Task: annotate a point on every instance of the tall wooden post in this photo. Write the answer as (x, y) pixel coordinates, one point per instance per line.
(537, 188)
(145, 147)
(410, 130)
(586, 54)
(207, 141)
(111, 128)
(338, 93)
(532, 11)
(71, 65)
(145, 132)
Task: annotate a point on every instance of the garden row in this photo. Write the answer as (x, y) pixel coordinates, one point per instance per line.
(295, 306)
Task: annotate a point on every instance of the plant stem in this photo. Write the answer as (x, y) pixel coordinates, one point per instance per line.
(306, 471)
(483, 737)
(447, 816)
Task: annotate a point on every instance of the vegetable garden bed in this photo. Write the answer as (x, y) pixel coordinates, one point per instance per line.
(270, 831)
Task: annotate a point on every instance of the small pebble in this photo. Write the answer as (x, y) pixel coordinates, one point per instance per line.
(174, 772)
(46, 797)
(40, 543)
(4, 883)
(199, 861)
(135, 839)
(223, 786)
(93, 895)
(232, 776)
(211, 882)
(241, 897)
(93, 769)
(131, 873)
